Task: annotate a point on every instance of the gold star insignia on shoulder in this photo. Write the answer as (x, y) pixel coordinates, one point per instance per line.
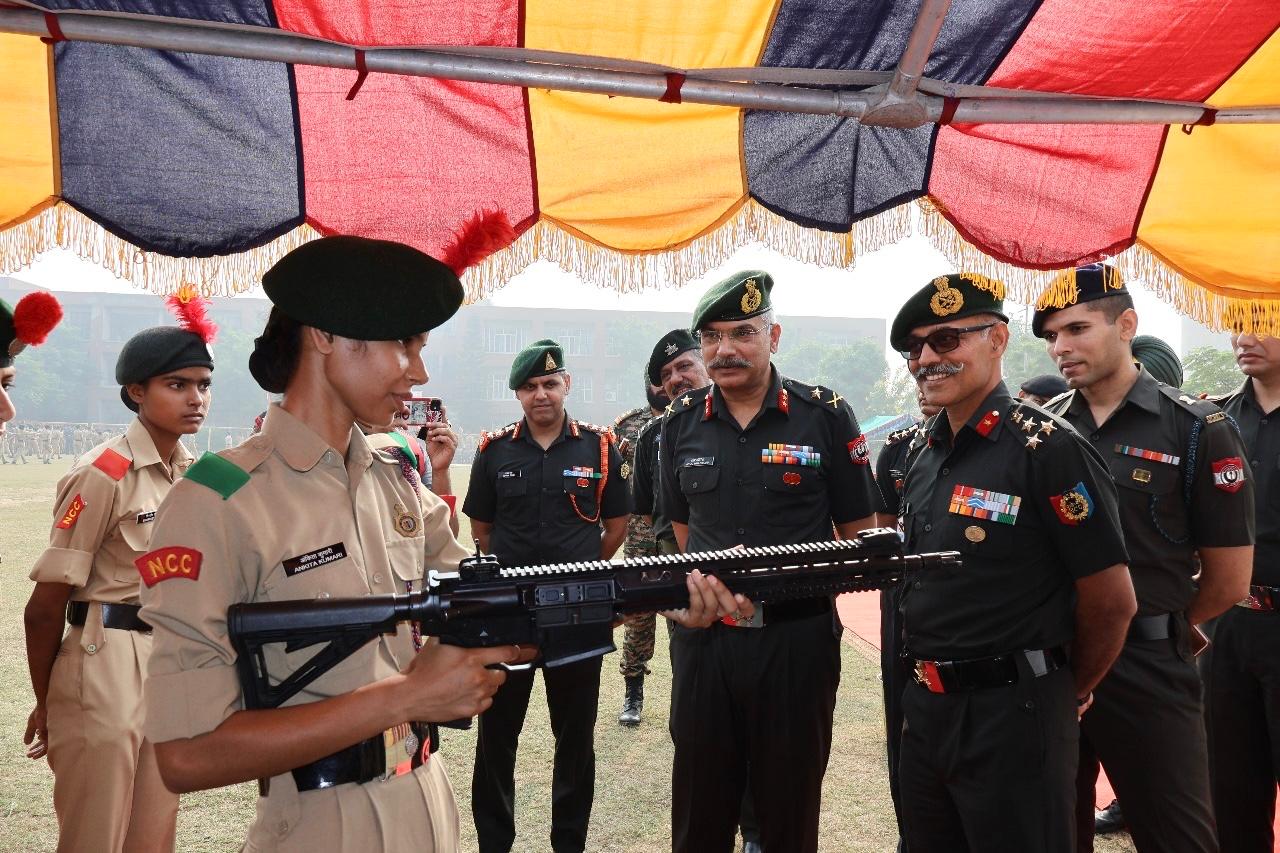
(1029, 425)
(671, 407)
(1033, 442)
(816, 393)
(686, 400)
(835, 399)
(1016, 417)
(1047, 426)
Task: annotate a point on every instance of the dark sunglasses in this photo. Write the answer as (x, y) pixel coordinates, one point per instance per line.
(939, 340)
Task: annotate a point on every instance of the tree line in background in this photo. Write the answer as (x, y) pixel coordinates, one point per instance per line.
(53, 376)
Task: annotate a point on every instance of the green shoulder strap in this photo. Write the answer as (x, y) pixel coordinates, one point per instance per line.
(222, 476)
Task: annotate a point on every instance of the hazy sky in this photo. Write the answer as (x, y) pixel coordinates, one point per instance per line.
(875, 287)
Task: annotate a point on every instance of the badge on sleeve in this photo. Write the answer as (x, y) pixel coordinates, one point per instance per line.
(1073, 506)
(168, 563)
(858, 452)
(72, 515)
(1228, 474)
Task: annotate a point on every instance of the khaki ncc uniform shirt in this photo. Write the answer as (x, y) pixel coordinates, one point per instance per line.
(292, 519)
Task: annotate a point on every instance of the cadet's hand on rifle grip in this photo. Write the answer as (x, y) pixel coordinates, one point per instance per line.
(449, 682)
(709, 601)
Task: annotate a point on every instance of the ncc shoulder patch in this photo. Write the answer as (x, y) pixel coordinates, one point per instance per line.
(112, 464)
(225, 478)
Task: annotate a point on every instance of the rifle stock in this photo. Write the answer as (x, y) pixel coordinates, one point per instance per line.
(567, 609)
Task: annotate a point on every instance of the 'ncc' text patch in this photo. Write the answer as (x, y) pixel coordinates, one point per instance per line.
(314, 559)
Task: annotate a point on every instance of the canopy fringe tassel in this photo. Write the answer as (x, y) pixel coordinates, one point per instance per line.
(634, 272)
(63, 227)
(1216, 311)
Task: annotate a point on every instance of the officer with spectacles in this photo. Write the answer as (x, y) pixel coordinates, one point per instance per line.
(989, 746)
(756, 459)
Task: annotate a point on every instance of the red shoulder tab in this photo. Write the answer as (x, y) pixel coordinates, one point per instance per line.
(112, 464)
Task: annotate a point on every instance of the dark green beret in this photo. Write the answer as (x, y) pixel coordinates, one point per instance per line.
(1159, 359)
(740, 296)
(669, 346)
(537, 359)
(159, 350)
(1082, 284)
(369, 290)
(1046, 385)
(947, 298)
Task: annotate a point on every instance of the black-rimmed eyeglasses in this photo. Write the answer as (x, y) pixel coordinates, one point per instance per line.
(939, 340)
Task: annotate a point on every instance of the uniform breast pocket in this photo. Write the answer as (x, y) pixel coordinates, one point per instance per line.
(406, 556)
(793, 495)
(508, 488)
(981, 537)
(1157, 489)
(136, 536)
(323, 571)
(698, 485)
(583, 492)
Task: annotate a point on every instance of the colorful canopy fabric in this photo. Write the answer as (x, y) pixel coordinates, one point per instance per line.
(196, 156)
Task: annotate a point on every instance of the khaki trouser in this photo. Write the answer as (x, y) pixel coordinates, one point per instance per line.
(106, 786)
(414, 812)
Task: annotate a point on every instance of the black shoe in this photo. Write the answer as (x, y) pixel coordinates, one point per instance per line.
(751, 847)
(1108, 820)
(633, 702)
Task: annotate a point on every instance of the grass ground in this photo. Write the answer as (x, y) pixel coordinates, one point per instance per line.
(633, 766)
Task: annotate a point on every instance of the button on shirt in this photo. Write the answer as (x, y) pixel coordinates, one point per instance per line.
(1031, 509)
(714, 480)
(538, 501)
(1261, 434)
(1146, 443)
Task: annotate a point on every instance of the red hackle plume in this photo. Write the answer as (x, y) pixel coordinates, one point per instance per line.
(484, 233)
(35, 316)
(192, 312)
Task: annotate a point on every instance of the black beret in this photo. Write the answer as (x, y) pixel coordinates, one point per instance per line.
(1082, 284)
(160, 349)
(740, 296)
(1046, 385)
(668, 347)
(537, 359)
(368, 290)
(948, 297)
(1159, 359)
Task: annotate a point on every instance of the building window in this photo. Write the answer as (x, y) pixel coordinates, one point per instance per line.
(503, 340)
(582, 389)
(574, 341)
(498, 389)
(612, 390)
(612, 345)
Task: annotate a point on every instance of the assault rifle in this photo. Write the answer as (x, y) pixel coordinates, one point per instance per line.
(567, 610)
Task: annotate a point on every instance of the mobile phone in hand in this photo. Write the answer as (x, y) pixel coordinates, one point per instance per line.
(424, 411)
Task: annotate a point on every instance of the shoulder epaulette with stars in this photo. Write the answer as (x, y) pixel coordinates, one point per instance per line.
(1032, 423)
(512, 429)
(607, 432)
(816, 395)
(690, 400)
(1205, 410)
(900, 435)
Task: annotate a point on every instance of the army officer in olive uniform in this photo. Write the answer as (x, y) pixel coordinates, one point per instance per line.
(304, 510)
(545, 489)
(756, 459)
(989, 744)
(1185, 492)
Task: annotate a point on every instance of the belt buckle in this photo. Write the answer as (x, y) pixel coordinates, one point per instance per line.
(927, 676)
(400, 746)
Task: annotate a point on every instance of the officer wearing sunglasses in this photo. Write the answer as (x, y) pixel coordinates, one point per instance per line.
(988, 749)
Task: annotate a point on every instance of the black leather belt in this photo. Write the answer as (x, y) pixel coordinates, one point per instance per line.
(786, 611)
(365, 761)
(1159, 627)
(123, 617)
(1262, 598)
(954, 676)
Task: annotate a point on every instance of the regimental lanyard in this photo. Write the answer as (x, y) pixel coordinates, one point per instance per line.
(604, 478)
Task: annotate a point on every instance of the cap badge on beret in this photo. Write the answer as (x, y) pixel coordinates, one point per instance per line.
(671, 349)
(751, 299)
(947, 300)
(550, 363)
